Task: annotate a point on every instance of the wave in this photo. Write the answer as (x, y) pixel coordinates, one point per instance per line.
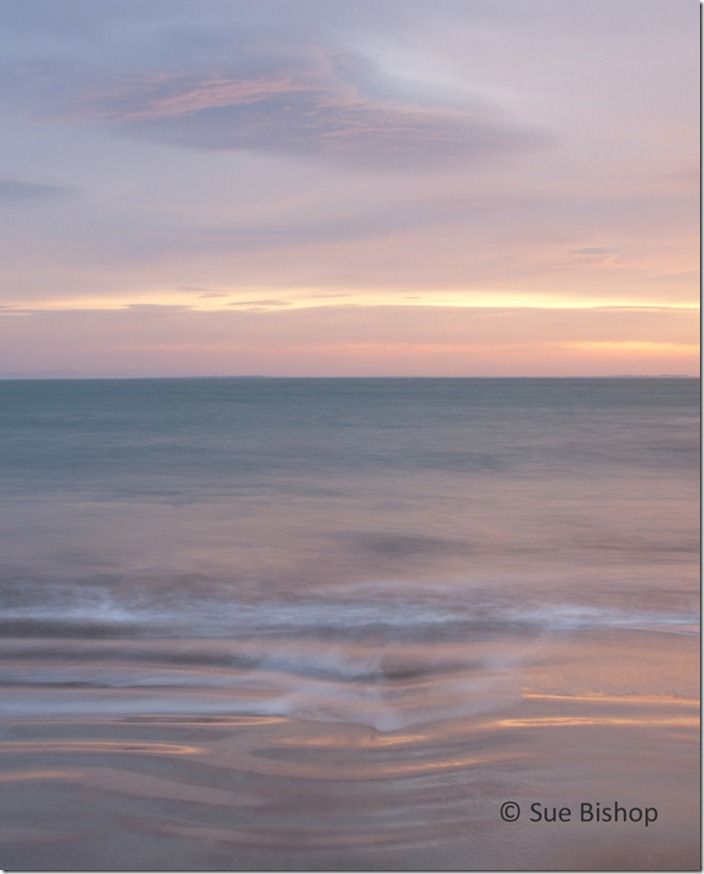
(435, 614)
(377, 662)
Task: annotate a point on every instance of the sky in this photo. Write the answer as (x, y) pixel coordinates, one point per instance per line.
(335, 188)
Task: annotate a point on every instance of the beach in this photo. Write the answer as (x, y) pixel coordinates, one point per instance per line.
(337, 624)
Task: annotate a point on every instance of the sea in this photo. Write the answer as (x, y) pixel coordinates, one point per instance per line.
(334, 624)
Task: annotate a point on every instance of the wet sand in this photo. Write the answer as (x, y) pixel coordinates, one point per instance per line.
(121, 779)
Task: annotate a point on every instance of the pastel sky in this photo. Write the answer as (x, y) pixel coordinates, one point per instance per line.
(327, 187)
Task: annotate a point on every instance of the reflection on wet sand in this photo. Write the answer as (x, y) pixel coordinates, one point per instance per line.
(236, 790)
(93, 746)
(566, 721)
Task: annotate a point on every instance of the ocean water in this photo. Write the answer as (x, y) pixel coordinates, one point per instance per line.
(302, 623)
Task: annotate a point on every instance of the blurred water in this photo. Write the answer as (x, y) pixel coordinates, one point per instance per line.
(386, 553)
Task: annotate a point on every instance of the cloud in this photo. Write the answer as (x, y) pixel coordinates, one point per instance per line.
(265, 302)
(15, 190)
(513, 156)
(158, 308)
(336, 108)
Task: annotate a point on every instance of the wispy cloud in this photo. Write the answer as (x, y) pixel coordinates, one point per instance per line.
(366, 183)
(19, 191)
(261, 302)
(318, 107)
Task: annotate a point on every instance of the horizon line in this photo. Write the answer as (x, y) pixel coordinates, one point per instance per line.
(80, 377)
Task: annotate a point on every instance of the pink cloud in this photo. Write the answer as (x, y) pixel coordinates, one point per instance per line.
(309, 112)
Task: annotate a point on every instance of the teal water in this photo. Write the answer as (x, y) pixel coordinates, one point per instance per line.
(256, 500)
(389, 554)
